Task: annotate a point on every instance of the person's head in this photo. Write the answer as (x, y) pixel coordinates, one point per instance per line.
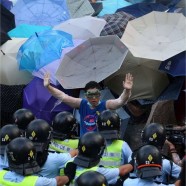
(91, 147)
(21, 155)
(39, 132)
(64, 126)
(7, 134)
(22, 117)
(108, 123)
(154, 134)
(93, 93)
(149, 162)
(91, 178)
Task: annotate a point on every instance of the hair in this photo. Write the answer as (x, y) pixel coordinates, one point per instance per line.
(91, 85)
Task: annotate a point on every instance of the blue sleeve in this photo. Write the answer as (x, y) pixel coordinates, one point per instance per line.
(126, 153)
(111, 174)
(41, 181)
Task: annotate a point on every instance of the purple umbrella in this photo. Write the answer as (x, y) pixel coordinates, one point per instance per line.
(44, 106)
(175, 66)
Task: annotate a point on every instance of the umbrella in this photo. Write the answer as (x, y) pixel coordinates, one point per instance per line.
(93, 60)
(7, 19)
(39, 12)
(52, 67)
(140, 9)
(4, 37)
(26, 30)
(9, 71)
(42, 48)
(83, 27)
(44, 106)
(175, 66)
(148, 81)
(7, 4)
(157, 35)
(79, 8)
(110, 6)
(116, 23)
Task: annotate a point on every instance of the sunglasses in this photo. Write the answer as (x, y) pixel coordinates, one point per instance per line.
(95, 94)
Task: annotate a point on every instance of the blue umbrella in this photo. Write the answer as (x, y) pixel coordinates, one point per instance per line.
(40, 12)
(26, 30)
(175, 66)
(42, 48)
(140, 9)
(6, 3)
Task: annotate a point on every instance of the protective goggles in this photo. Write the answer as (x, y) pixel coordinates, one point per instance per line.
(93, 94)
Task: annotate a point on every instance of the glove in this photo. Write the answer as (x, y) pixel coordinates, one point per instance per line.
(70, 171)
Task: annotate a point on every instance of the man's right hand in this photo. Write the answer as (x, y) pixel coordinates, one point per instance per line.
(46, 81)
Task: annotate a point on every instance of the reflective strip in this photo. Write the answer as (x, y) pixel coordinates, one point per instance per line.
(60, 146)
(110, 163)
(112, 154)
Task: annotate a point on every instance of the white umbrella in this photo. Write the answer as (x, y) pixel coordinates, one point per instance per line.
(93, 60)
(157, 35)
(83, 27)
(9, 70)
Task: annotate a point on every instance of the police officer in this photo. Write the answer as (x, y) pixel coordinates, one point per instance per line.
(64, 137)
(155, 134)
(39, 132)
(7, 134)
(117, 151)
(91, 147)
(21, 155)
(91, 178)
(149, 164)
(22, 117)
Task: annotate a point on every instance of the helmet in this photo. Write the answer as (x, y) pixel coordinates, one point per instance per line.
(39, 132)
(91, 147)
(23, 117)
(21, 155)
(154, 134)
(7, 134)
(108, 123)
(149, 162)
(64, 125)
(91, 178)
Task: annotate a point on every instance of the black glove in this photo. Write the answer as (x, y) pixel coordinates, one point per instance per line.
(70, 171)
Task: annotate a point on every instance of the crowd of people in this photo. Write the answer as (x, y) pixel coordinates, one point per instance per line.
(34, 152)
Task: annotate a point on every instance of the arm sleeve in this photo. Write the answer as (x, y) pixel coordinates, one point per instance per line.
(42, 181)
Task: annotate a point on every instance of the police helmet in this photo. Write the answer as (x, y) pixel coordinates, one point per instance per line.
(91, 178)
(21, 155)
(108, 123)
(39, 132)
(64, 126)
(23, 117)
(7, 134)
(91, 147)
(149, 162)
(154, 134)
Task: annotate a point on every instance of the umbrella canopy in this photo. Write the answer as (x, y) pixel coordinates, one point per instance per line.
(175, 66)
(39, 12)
(157, 35)
(140, 9)
(110, 6)
(93, 60)
(116, 23)
(4, 37)
(9, 71)
(42, 48)
(7, 4)
(44, 106)
(83, 27)
(7, 19)
(26, 30)
(52, 67)
(148, 81)
(79, 8)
